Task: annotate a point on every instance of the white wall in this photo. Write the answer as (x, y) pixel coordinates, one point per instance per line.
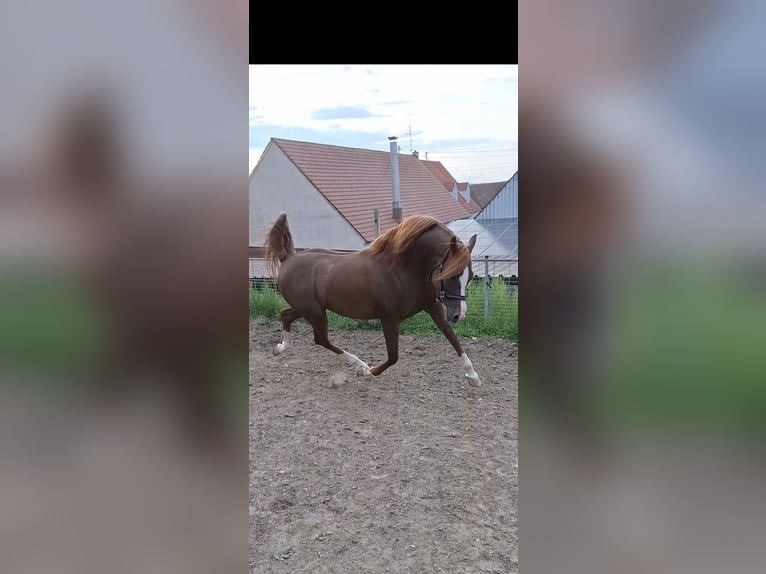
(505, 204)
(276, 186)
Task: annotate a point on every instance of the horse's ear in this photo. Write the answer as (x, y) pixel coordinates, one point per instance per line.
(471, 243)
(453, 244)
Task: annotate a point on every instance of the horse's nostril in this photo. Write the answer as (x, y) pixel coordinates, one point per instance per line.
(455, 318)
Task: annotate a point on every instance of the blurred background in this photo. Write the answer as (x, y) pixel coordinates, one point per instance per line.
(123, 322)
(122, 249)
(643, 404)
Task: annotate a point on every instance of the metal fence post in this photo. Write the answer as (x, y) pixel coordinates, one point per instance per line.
(486, 286)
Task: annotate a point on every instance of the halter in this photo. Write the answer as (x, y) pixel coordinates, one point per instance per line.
(443, 296)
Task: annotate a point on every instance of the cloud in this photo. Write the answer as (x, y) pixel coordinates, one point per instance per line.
(260, 136)
(466, 143)
(342, 113)
(254, 115)
(449, 107)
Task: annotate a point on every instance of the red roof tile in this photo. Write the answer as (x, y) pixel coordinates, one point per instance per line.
(440, 172)
(357, 181)
(470, 206)
(448, 181)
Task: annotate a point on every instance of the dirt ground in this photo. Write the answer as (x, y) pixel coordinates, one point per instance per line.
(411, 471)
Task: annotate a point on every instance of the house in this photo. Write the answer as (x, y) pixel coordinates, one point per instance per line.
(461, 192)
(331, 194)
(505, 204)
(482, 193)
(497, 231)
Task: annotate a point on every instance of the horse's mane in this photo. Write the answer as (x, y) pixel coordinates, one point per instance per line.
(455, 262)
(395, 242)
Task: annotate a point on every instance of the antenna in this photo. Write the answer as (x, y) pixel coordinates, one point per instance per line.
(410, 137)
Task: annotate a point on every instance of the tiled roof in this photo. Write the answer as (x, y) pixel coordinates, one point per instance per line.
(483, 193)
(445, 177)
(440, 172)
(471, 206)
(357, 181)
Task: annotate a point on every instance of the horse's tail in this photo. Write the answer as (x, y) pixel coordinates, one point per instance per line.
(279, 244)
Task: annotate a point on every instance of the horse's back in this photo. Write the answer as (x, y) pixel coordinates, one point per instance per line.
(301, 271)
(332, 280)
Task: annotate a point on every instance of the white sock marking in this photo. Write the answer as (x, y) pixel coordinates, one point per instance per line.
(287, 342)
(357, 362)
(470, 373)
(463, 285)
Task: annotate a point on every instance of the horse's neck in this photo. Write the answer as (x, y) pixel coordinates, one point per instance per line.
(418, 264)
(426, 250)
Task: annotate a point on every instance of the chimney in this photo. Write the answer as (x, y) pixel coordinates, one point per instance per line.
(396, 207)
(415, 153)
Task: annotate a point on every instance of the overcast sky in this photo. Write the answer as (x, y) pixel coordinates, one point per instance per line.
(464, 116)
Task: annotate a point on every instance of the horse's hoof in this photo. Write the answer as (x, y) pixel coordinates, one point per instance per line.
(363, 372)
(474, 381)
(278, 350)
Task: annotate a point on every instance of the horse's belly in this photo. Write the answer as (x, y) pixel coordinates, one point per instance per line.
(353, 309)
(348, 298)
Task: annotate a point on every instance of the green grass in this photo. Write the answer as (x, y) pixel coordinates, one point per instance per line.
(691, 352)
(502, 321)
(48, 326)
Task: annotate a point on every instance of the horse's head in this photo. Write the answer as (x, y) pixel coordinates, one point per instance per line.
(452, 290)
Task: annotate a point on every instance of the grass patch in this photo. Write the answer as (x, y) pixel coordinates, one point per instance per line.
(48, 327)
(502, 321)
(690, 343)
(265, 301)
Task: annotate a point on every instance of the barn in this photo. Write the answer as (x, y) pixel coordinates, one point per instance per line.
(483, 193)
(505, 204)
(497, 231)
(342, 198)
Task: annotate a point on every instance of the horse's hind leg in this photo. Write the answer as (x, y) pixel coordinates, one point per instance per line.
(319, 323)
(287, 316)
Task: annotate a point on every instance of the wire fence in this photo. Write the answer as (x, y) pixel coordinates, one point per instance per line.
(494, 293)
(496, 275)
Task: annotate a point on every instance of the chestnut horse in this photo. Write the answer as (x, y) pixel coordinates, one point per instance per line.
(415, 266)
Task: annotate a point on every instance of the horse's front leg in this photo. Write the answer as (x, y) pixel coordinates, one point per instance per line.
(319, 323)
(436, 311)
(391, 333)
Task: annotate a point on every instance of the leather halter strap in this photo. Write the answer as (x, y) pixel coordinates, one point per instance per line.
(442, 295)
